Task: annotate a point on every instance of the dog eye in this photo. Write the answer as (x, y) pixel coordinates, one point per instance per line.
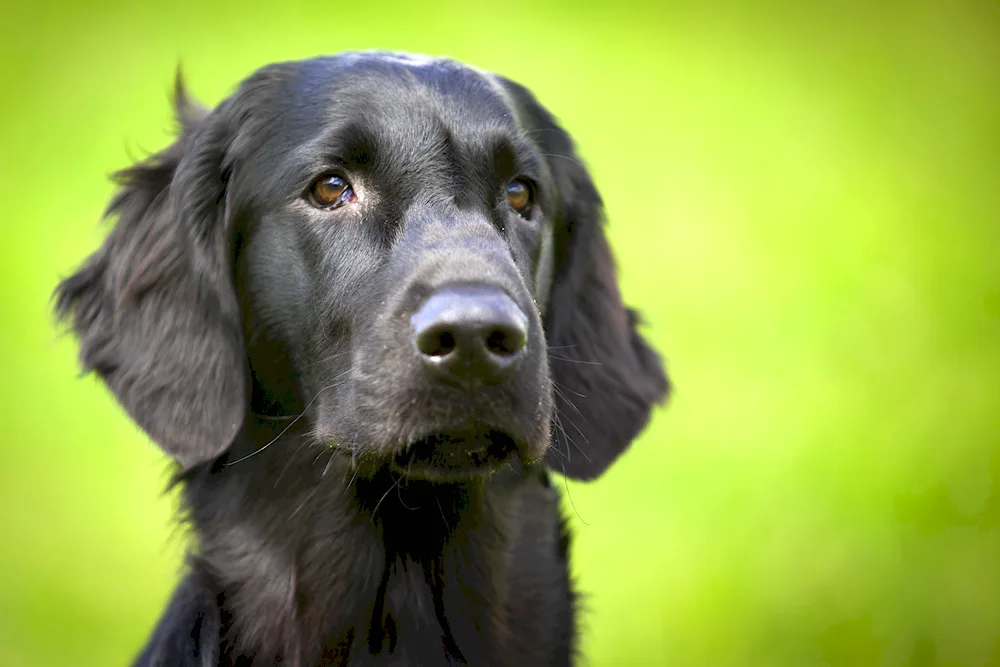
(520, 197)
(330, 191)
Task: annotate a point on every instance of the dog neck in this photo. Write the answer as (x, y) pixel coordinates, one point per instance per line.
(347, 560)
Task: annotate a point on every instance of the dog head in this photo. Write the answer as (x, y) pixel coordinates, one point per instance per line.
(405, 252)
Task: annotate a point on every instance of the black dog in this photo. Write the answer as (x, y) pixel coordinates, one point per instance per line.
(367, 303)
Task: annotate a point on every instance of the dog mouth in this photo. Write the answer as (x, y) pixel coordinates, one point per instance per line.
(459, 454)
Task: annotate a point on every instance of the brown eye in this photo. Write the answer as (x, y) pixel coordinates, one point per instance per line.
(519, 197)
(331, 191)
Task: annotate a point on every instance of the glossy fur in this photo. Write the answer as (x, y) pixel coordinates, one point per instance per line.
(266, 345)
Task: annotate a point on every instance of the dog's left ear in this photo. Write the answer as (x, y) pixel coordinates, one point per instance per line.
(607, 378)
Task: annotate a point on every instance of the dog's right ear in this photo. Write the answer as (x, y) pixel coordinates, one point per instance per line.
(154, 307)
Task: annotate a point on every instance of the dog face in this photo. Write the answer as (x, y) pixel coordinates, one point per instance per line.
(386, 246)
(392, 233)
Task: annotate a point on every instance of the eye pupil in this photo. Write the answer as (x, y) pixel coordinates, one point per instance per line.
(519, 196)
(330, 191)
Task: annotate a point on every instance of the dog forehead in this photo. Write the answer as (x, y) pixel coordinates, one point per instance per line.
(412, 91)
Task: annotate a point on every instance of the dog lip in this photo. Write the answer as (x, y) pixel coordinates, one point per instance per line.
(462, 453)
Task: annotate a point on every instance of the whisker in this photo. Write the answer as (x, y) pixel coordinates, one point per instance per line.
(357, 469)
(562, 462)
(291, 459)
(444, 519)
(573, 504)
(326, 468)
(383, 498)
(557, 422)
(562, 391)
(331, 357)
(399, 494)
(572, 423)
(575, 361)
(292, 423)
(304, 501)
(567, 158)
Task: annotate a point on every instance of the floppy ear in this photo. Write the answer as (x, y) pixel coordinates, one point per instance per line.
(155, 309)
(607, 378)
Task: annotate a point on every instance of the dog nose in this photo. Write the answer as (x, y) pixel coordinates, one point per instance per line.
(470, 332)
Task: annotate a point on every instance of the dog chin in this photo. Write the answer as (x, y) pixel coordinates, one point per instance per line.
(459, 454)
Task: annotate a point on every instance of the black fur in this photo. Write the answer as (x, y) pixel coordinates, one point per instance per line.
(265, 345)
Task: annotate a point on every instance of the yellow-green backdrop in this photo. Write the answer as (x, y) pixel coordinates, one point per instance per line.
(805, 201)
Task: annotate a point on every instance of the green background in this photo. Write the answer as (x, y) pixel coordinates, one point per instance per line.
(805, 202)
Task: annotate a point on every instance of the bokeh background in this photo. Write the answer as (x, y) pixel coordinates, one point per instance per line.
(805, 202)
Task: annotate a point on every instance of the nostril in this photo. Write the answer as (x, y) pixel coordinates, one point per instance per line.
(496, 343)
(505, 343)
(445, 344)
(436, 343)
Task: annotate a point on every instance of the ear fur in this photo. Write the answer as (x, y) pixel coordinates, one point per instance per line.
(154, 307)
(607, 378)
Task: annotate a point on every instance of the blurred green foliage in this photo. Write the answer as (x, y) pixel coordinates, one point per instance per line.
(805, 203)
